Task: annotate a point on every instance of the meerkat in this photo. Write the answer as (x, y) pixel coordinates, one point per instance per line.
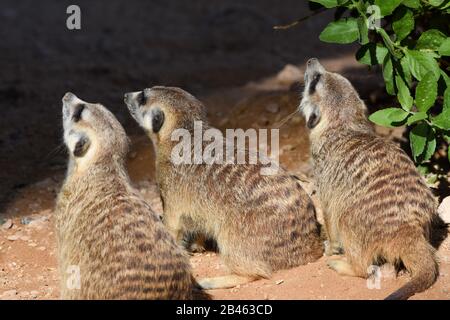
(261, 223)
(377, 208)
(111, 244)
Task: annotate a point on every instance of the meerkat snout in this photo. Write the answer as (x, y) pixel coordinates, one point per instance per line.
(308, 107)
(76, 139)
(149, 116)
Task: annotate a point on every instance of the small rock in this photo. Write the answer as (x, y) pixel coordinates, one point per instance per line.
(38, 223)
(279, 282)
(41, 248)
(34, 293)
(289, 74)
(444, 210)
(24, 238)
(7, 224)
(13, 238)
(26, 220)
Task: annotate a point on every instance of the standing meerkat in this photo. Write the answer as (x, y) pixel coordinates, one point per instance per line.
(261, 223)
(106, 232)
(377, 208)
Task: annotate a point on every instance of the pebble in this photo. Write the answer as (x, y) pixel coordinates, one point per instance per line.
(444, 210)
(289, 74)
(41, 248)
(13, 238)
(24, 238)
(7, 224)
(279, 282)
(26, 220)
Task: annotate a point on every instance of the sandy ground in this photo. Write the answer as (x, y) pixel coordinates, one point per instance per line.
(226, 53)
(27, 246)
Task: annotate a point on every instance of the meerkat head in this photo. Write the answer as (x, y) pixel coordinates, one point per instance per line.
(91, 132)
(161, 110)
(329, 98)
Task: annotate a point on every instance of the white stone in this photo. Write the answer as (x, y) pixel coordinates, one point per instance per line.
(444, 210)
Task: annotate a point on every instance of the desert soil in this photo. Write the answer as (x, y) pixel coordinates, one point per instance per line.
(27, 240)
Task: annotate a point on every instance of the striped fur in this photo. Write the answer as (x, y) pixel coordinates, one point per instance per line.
(260, 223)
(106, 229)
(377, 207)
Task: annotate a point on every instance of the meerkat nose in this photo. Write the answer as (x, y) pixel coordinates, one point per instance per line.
(68, 97)
(313, 64)
(312, 61)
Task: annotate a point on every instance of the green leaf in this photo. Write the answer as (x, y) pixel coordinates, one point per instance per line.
(388, 75)
(388, 43)
(423, 169)
(341, 31)
(404, 96)
(403, 22)
(430, 147)
(431, 39)
(442, 120)
(446, 78)
(426, 92)
(363, 31)
(405, 71)
(327, 3)
(389, 117)
(420, 63)
(387, 6)
(444, 49)
(416, 118)
(414, 4)
(423, 142)
(371, 54)
(435, 3)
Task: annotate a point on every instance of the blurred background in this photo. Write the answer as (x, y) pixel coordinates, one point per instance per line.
(201, 46)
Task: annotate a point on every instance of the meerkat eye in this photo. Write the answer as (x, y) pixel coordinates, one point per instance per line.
(141, 99)
(157, 119)
(81, 147)
(78, 111)
(314, 82)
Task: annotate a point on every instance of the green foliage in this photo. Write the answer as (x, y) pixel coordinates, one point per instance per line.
(410, 40)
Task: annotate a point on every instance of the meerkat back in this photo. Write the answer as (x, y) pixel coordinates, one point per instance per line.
(260, 222)
(111, 245)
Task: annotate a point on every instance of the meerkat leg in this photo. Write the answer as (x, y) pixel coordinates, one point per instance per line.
(345, 268)
(332, 245)
(199, 244)
(224, 282)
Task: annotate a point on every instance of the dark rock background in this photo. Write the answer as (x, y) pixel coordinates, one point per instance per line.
(128, 45)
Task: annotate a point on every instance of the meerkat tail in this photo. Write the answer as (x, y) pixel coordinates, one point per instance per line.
(422, 264)
(224, 282)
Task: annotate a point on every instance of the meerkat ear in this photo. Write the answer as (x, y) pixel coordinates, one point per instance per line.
(81, 147)
(157, 119)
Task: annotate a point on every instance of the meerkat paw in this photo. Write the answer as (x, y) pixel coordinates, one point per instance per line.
(197, 248)
(332, 248)
(223, 282)
(341, 266)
